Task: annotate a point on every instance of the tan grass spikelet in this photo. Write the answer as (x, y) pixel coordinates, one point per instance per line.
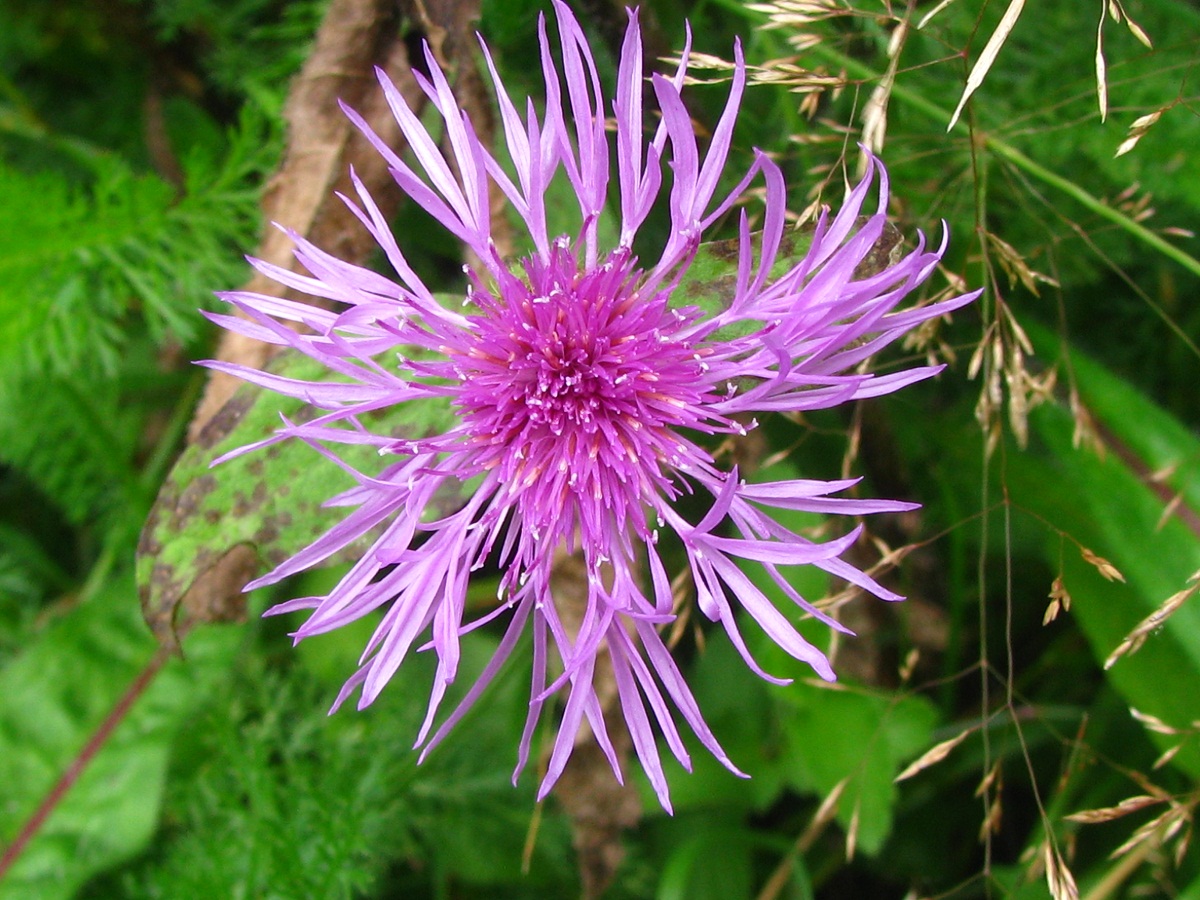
(1103, 566)
(1158, 831)
(852, 831)
(1138, 129)
(990, 51)
(1134, 640)
(875, 113)
(1084, 434)
(1117, 11)
(1114, 9)
(1108, 813)
(1153, 723)
(932, 756)
(1058, 877)
(1060, 601)
(1016, 267)
(1101, 67)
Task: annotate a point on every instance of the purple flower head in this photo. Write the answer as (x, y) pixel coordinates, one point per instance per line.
(583, 385)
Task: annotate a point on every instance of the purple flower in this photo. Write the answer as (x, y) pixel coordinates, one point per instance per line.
(584, 387)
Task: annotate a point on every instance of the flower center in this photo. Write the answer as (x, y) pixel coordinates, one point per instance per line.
(575, 386)
(564, 379)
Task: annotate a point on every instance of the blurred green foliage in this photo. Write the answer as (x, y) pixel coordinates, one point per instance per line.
(135, 138)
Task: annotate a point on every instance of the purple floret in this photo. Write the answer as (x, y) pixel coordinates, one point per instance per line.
(583, 386)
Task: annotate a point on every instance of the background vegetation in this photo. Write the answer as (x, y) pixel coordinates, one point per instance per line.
(1025, 725)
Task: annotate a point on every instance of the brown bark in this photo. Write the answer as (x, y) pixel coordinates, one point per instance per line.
(322, 145)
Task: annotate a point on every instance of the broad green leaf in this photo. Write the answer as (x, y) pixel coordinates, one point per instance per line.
(1138, 429)
(53, 697)
(714, 861)
(270, 501)
(1110, 506)
(860, 736)
(740, 710)
(1191, 892)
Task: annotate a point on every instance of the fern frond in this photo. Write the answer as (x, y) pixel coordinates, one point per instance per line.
(82, 271)
(92, 284)
(75, 440)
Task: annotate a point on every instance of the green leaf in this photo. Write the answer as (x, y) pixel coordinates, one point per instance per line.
(53, 698)
(1191, 892)
(270, 501)
(740, 710)
(862, 737)
(1137, 429)
(1112, 507)
(714, 861)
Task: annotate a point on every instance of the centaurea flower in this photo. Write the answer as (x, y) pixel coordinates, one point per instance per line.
(584, 385)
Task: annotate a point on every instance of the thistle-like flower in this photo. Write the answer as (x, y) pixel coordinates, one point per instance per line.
(584, 386)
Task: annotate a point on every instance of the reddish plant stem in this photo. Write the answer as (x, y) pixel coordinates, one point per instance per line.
(68, 778)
